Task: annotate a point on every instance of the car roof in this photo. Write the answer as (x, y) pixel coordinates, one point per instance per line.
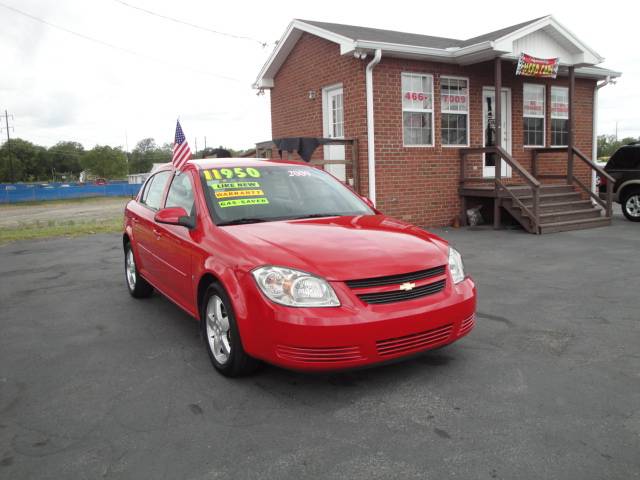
(240, 162)
(203, 164)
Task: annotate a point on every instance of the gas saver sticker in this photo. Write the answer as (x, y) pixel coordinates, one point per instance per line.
(242, 202)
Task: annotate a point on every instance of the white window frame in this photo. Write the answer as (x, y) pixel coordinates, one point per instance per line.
(566, 89)
(543, 115)
(458, 112)
(418, 110)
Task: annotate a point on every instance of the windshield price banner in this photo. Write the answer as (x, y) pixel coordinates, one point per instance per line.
(529, 66)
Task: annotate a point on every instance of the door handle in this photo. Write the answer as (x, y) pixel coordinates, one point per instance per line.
(157, 233)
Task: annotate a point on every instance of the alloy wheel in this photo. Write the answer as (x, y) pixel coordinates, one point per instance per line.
(218, 330)
(633, 205)
(130, 266)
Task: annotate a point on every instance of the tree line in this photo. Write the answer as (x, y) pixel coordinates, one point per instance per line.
(24, 161)
(607, 144)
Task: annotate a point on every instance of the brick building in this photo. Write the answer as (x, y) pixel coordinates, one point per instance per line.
(428, 136)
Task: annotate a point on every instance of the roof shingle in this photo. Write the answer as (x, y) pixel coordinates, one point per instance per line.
(414, 39)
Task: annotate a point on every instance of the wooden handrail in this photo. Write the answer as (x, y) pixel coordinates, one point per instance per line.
(530, 179)
(502, 154)
(532, 215)
(588, 191)
(593, 165)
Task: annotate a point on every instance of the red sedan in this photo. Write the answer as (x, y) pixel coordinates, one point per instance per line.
(281, 262)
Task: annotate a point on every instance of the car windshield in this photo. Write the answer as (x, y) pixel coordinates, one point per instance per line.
(267, 193)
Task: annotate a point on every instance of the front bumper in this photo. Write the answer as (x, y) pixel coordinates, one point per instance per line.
(355, 334)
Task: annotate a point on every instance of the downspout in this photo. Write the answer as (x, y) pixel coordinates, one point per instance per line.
(594, 152)
(371, 141)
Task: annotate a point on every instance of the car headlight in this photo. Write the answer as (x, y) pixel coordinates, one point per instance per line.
(455, 265)
(294, 288)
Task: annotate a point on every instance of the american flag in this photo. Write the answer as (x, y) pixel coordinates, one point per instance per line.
(181, 150)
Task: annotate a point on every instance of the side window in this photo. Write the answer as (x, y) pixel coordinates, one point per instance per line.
(145, 192)
(181, 193)
(626, 158)
(152, 196)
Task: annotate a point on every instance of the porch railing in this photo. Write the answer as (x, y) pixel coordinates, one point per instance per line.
(571, 179)
(501, 187)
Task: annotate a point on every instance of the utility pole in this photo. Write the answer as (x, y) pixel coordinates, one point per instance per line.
(196, 145)
(6, 122)
(205, 142)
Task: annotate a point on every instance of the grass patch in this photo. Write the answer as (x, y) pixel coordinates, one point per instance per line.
(62, 228)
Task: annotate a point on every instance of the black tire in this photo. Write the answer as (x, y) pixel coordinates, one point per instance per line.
(631, 204)
(138, 287)
(238, 363)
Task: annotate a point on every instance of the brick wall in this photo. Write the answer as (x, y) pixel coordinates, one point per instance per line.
(417, 184)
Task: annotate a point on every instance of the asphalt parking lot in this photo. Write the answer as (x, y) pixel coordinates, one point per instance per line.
(95, 384)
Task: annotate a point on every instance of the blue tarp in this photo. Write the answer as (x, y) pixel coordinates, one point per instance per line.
(29, 192)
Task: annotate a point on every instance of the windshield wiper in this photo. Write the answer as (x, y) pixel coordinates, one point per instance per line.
(240, 221)
(317, 215)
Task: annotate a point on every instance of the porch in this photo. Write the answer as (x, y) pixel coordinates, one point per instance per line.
(540, 201)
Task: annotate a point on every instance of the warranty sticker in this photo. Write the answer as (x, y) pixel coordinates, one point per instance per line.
(243, 201)
(239, 193)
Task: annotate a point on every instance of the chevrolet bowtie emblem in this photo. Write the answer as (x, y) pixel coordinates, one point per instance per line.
(407, 286)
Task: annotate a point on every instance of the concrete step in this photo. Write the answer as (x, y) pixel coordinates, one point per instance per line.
(574, 225)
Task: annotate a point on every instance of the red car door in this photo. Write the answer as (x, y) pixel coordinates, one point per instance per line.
(145, 230)
(174, 244)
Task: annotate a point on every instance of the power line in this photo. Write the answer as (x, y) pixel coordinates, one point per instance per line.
(193, 25)
(110, 45)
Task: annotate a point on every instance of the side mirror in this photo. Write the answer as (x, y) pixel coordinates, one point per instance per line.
(175, 216)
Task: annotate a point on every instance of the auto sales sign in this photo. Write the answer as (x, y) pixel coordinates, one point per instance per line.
(529, 66)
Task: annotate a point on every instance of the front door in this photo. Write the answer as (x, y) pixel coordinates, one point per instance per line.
(488, 129)
(333, 120)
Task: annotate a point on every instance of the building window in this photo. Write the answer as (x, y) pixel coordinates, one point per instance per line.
(533, 115)
(559, 116)
(454, 102)
(417, 109)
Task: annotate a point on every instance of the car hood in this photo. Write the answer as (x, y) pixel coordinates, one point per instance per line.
(341, 248)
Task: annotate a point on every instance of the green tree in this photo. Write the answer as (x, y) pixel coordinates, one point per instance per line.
(65, 157)
(105, 161)
(146, 153)
(607, 144)
(27, 160)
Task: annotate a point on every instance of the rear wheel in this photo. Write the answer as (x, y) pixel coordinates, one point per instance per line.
(221, 334)
(631, 205)
(138, 287)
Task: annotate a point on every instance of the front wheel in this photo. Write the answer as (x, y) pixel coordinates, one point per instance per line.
(631, 205)
(138, 287)
(221, 334)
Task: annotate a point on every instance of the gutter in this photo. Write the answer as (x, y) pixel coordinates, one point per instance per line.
(594, 149)
(371, 141)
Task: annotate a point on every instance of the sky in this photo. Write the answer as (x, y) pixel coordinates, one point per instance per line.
(60, 86)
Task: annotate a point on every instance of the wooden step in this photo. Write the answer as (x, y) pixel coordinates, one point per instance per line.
(548, 198)
(525, 190)
(554, 217)
(574, 225)
(549, 188)
(565, 206)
